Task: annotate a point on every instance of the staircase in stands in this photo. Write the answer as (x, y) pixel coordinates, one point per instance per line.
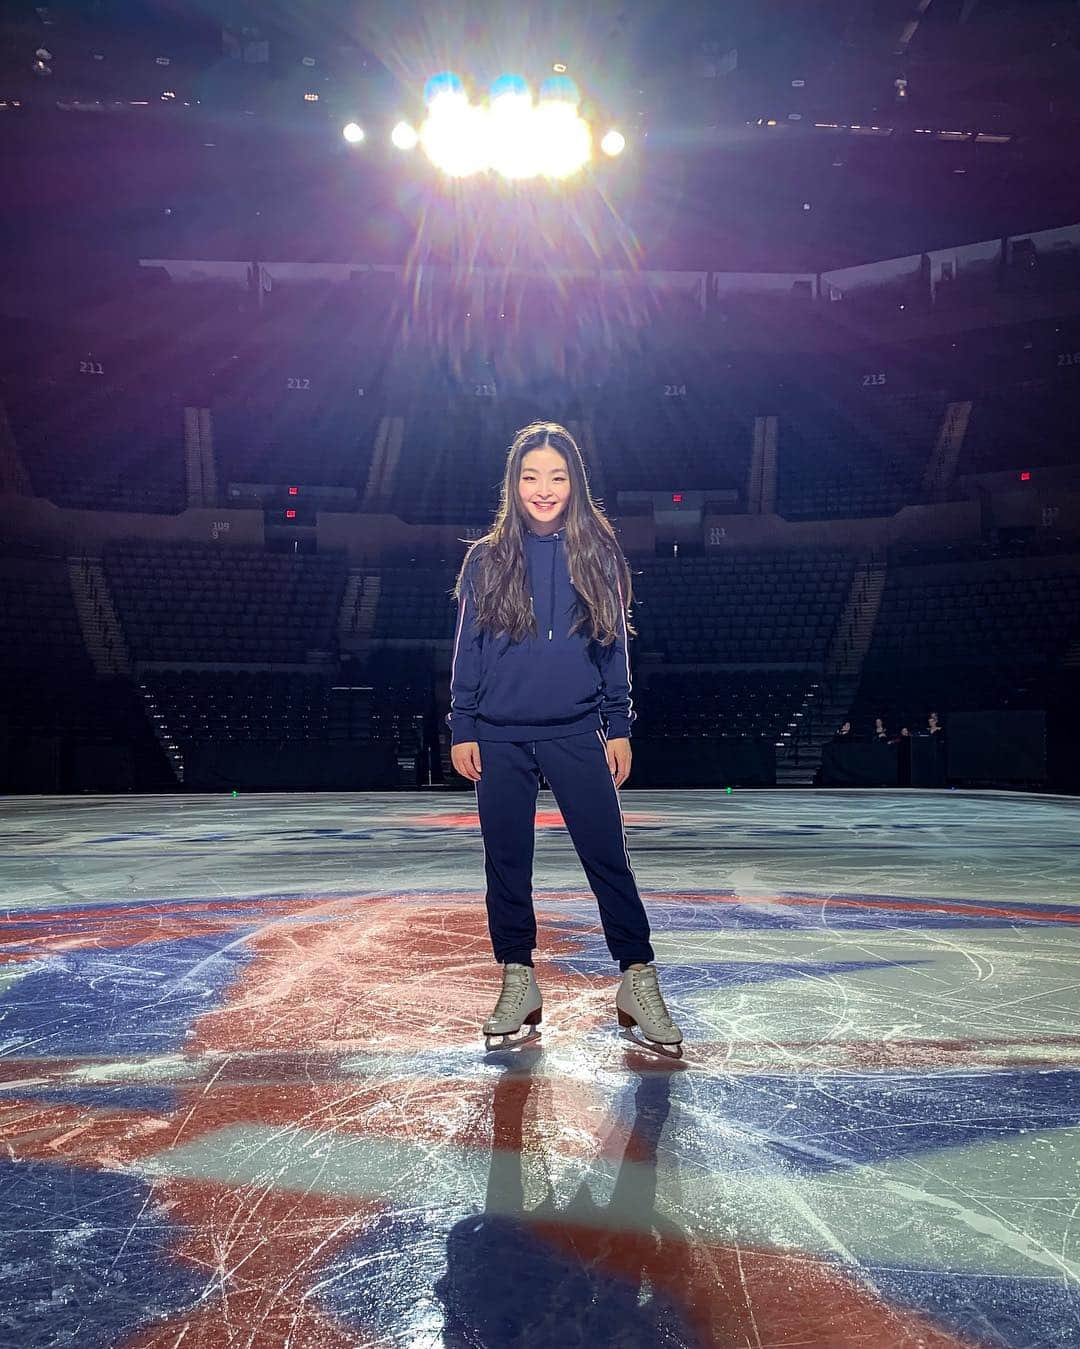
(356, 617)
(107, 648)
(824, 708)
(97, 616)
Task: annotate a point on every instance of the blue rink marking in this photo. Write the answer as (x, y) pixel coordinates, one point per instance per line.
(93, 1255)
(106, 1097)
(80, 1003)
(991, 1311)
(816, 1125)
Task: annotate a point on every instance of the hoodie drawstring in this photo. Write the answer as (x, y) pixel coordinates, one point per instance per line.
(551, 627)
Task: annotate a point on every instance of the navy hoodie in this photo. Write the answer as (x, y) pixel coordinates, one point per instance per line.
(542, 687)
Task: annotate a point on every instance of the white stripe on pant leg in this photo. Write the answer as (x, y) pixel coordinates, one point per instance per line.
(618, 805)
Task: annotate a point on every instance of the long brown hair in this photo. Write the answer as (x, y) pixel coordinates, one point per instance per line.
(598, 569)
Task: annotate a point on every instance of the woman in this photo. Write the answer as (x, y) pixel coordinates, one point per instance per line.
(540, 661)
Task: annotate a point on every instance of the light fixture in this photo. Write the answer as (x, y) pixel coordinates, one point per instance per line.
(404, 136)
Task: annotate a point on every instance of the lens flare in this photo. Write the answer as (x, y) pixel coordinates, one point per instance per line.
(513, 146)
(563, 140)
(560, 88)
(509, 86)
(613, 143)
(446, 82)
(404, 136)
(510, 134)
(454, 137)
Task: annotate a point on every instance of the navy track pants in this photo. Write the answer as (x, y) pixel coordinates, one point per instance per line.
(577, 772)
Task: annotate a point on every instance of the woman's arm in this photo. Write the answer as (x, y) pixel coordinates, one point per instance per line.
(465, 665)
(616, 703)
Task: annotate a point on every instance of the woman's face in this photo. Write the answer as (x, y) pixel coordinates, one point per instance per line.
(846, 728)
(544, 489)
(879, 725)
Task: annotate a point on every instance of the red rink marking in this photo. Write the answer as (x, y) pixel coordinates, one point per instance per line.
(742, 1296)
(117, 927)
(395, 978)
(31, 936)
(261, 1251)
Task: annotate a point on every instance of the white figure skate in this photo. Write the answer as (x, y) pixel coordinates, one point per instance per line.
(640, 1003)
(519, 1004)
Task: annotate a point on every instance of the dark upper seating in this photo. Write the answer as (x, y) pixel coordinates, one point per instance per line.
(756, 608)
(100, 448)
(215, 604)
(450, 467)
(297, 438)
(854, 459)
(650, 436)
(1031, 427)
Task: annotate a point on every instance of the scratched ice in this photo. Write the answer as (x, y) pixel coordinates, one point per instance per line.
(244, 1100)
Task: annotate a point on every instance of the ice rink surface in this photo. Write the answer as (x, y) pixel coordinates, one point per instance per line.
(244, 1100)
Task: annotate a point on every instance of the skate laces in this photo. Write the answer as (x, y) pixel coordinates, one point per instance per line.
(515, 987)
(647, 991)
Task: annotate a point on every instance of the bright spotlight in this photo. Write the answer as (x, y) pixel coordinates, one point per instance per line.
(563, 140)
(513, 145)
(404, 136)
(561, 88)
(613, 143)
(512, 86)
(509, 133)
(445, 83)
(455, 137)
(353, 133)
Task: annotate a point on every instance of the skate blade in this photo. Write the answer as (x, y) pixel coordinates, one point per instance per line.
(652, 1046)
(515, 1040)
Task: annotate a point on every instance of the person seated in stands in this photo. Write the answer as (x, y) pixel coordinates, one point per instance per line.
(934, 726)
(881, 735)
(845, 735)
(903, 757)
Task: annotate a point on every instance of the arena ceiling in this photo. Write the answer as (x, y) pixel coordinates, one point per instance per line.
(842, 130)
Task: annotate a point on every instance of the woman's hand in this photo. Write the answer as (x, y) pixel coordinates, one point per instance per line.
(466, 759)
(618, 759)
